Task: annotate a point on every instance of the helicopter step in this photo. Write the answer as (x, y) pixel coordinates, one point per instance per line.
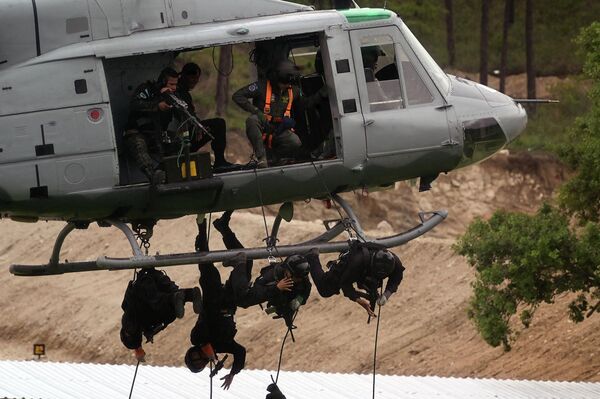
(428, 220)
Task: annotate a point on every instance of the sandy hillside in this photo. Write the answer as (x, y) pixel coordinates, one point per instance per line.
(424, 329)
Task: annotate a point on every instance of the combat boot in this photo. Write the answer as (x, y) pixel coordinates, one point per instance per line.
(179, 303)
(222, 224)
(197, 300)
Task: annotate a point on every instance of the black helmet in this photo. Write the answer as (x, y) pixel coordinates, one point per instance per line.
(196, 359)
(297, 265)
(382, 264)
(287, 72)
(370, 55)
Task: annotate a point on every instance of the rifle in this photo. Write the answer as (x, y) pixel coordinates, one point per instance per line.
(182, 107)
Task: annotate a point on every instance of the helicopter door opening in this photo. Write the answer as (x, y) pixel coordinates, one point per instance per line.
(320, 139)
(123, 76)
(402, 109)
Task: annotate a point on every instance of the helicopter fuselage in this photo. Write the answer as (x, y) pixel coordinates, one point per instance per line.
(62, 113)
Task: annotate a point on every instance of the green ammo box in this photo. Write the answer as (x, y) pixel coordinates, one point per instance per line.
(176, 169)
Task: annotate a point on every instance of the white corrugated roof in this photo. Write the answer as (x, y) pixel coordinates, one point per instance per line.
(31, 379)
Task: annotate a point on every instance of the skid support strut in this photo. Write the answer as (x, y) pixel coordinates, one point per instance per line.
(55, 267)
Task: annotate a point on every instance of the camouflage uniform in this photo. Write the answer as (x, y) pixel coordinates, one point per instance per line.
(252, 99)
(145, 126)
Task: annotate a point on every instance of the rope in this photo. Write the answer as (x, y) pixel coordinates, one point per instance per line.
(262, 208)
(281, 350)
(211, 380)
(134, 375)
(376, 338)
(215, 64)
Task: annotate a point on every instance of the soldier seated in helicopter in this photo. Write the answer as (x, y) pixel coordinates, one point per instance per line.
(270, 128)
(149, 116)
(365, 265)
(188, 79)
(152, 301)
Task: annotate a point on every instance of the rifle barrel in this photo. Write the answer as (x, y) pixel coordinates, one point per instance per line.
(535, 101)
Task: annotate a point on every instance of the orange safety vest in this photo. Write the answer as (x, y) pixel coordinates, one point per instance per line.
(268, 137)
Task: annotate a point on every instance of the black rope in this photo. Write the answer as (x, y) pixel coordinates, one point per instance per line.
(215, 64)
(262, 208)
(376, 337)
(289, 329)
(211, 379)
(134, 375)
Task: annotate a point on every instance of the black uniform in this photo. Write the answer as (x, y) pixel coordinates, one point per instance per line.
(353, 268)
(266, 285)
(148, 307)
(145, 127)
(216, 127)
(217, 325)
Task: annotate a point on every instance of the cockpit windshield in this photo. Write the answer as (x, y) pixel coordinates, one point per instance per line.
(437, 74)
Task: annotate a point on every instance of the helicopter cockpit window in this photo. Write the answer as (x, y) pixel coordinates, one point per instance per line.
(416, 90)
(437, 74)
(381, 74)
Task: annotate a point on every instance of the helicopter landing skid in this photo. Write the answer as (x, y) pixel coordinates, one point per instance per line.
(428, 220)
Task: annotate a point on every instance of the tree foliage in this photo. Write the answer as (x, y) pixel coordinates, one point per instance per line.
(522, 261)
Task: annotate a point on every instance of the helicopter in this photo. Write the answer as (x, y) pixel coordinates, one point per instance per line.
(68, 69)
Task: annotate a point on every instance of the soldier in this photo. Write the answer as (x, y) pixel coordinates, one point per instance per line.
(283, 285)
(215, 328)
(149, 117)
(188, 79)
(270, 102)
(365, 265)
(152, 301)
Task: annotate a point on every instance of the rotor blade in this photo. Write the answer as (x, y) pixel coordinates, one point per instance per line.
(105, 263)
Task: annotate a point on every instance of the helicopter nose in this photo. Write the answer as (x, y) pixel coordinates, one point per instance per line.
(510, 115)
(513, 120)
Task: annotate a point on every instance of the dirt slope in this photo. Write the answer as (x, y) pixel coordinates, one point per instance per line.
(424, 329)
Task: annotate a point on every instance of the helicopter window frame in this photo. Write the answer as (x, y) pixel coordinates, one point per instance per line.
(404, 52)
(386, 93)
(440, 79)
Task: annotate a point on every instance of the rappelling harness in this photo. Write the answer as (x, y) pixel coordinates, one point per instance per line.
(267, 135)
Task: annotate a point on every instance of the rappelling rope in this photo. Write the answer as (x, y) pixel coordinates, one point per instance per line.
(376, 337)
(281, 350)
(211, 379)
(134, 375)
(262, 208)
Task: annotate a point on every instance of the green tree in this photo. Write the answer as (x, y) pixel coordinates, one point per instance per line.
(522, 261)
